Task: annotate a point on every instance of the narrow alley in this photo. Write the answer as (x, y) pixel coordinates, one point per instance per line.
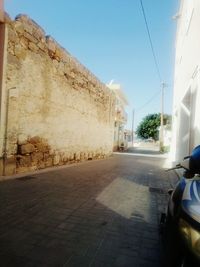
(97, 213)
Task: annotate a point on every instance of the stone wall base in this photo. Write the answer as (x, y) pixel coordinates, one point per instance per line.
(8, 166)
(35, 154)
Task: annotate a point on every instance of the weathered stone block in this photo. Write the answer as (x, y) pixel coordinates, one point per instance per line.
(56, 159)
(20, 52)
(49, 162)
(85, 155)
(51, 44)
(42, 147)
(42, 46)
(11, 48)
(82, 156)
(24, 42)
(34, 140)
(26, 149)
(25, 161)
(77, 156)
(51, 54)
(39, 34)
(72, 74)
(41, 165)
(58, 54)
(30, 37)
(10, 166)
(19, 27)
(37, 156)
(28, 28)
(71, 156)
(65, 158)
(46, 156)
(18, 157)
(12, 36)
(33, 47)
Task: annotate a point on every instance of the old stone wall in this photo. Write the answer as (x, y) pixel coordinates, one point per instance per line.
(56, 111)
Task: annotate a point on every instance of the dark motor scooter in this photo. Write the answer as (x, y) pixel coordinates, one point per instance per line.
(182, 222)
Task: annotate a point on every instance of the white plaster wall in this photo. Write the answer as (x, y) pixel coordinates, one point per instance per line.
(186, 78)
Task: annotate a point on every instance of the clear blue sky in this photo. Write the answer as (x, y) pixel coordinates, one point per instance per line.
(109, 37)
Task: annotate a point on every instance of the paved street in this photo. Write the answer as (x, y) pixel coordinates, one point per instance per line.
(97, 213)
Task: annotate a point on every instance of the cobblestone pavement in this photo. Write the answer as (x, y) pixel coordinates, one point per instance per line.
(98, 213)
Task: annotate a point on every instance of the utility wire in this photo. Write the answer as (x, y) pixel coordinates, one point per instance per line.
(151, 43)
(149, 101)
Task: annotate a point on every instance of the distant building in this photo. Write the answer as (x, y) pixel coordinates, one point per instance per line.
(186, 106)
(128, 135)
(120, 135)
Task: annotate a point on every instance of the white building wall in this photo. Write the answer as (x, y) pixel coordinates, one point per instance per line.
(186, 107)
(120, 115)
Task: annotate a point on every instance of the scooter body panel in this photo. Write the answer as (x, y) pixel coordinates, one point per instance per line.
(184, 205)
(191, 199)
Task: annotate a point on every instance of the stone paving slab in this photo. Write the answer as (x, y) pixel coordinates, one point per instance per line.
(101, 213)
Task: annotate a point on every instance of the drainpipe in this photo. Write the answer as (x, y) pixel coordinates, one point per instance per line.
(2, 41)
(6, 131)
(2, 44)
(1, 11)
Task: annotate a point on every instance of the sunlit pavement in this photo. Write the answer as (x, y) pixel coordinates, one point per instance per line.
(98, 213)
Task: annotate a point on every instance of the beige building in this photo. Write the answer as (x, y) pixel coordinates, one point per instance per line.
(120, 117)
(53, 110)
(186, 106)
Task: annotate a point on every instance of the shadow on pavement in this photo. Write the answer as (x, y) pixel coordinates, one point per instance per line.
(104, 213)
